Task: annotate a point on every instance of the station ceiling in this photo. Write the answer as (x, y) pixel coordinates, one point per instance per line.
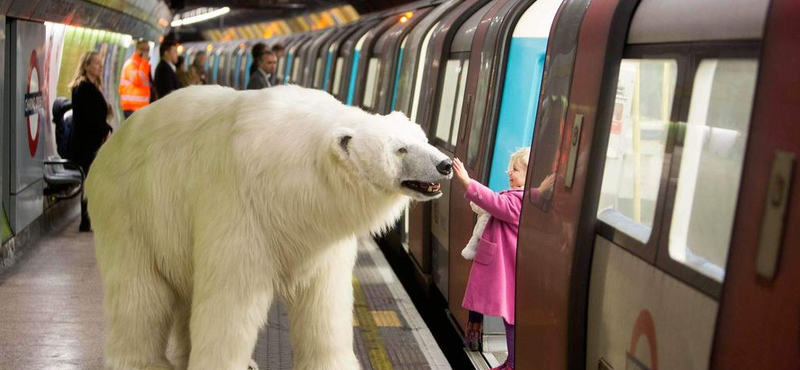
(253, 11)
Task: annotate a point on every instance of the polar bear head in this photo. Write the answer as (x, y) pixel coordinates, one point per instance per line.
(392, 154)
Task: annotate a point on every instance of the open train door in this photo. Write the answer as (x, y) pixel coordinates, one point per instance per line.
(758, 325)
(583, 58)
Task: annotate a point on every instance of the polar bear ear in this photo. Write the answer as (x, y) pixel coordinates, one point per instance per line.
(341, 142)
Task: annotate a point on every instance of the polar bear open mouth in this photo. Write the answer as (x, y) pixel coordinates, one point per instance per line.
(427, 188)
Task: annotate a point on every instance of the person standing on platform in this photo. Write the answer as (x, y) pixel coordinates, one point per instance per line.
(90, 114)
(166, 78)
(279, 50)
(134, 84)
(183, 75)
(266, 68)
(197, 71)
(257, 52)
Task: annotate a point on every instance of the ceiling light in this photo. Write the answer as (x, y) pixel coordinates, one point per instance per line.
(200, 17)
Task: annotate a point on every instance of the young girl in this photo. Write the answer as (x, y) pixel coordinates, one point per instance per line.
(490, 289)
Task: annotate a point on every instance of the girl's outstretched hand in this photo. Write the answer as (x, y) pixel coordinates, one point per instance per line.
(460, 173)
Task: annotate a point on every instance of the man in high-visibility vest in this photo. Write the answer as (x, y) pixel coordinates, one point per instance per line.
(134, 84)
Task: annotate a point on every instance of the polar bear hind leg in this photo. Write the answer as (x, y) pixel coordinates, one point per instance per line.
(139, 314)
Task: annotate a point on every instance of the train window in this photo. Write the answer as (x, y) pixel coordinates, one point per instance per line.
(462, 87)
(474, 142)
(281, 67)
(635, 153)
(210, 66)
(444, 123)
(319, 73)
(223, 58)
(423, 55)
(337, 77)
(402, 83)
(372, 80)
(296, 69)
(713, 148)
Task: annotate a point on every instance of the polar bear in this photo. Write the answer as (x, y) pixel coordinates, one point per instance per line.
(211, 202)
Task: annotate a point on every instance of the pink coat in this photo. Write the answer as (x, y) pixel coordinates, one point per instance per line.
(490, 289)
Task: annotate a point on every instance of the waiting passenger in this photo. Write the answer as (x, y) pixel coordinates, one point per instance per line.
(180, 71)
(257, 52)
(279, 50)
(166, 79)
(135, 82)
(490, 289)
(197, 71)
(266, 69)
(90, 114)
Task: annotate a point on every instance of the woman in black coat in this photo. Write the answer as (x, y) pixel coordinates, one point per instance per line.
(90, 113)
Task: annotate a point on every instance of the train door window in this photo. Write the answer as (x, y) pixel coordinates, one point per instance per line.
(223, 58)
(244, 70)
(372, 81)
(423, 55)
(337, 77)
(215, 69)
(281, 66)
(713, 148)
(233, 71)
(318, 74)
(635, 153)
(296, 69)
(462, 87)
(444, 123)
(236, 70)
(401, 83)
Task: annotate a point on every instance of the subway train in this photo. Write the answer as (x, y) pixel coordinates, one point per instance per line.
(667, 239)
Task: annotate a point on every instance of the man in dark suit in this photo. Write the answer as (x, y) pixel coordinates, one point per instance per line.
(263, 75)
(166, 80)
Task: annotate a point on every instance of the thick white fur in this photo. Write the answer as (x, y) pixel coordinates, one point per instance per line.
(210, 203)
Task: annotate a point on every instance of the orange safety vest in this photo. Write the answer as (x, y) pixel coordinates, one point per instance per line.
(134, 84)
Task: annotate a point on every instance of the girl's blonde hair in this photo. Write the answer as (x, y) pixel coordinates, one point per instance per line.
(520, 159)
(80, 72)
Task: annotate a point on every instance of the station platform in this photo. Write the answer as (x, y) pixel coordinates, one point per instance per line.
(51, 314)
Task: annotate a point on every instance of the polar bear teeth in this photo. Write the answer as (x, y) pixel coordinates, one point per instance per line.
(423, 187)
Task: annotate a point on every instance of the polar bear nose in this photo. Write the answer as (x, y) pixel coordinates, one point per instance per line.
(445, 167)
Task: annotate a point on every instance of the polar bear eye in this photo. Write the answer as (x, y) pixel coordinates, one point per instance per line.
(402, 151)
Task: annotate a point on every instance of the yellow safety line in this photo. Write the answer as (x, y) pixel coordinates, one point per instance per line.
(369, 330)
(386, 319)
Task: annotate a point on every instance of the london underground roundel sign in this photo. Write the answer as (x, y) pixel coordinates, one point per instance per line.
(34, 104)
